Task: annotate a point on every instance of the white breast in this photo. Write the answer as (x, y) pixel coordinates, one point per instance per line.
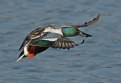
(53, 30)
(51, 39)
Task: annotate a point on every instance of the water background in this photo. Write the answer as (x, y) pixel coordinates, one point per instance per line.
(98, 60)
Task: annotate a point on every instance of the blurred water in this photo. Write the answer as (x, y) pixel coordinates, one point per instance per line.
(98, 60)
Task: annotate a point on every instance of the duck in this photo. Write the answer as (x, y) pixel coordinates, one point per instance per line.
(54, 36)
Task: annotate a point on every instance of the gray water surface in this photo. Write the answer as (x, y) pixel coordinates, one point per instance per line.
(98, 60)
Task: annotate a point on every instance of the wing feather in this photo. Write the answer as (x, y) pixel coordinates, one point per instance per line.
(88, 23)
(64, 43)
(31, 36)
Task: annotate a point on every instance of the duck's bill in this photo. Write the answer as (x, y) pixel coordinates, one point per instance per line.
(20, 57)
(83, 34)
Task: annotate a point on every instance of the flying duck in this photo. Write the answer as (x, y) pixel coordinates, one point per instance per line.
(54, 36)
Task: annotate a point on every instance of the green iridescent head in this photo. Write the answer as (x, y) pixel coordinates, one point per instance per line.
(70, 31)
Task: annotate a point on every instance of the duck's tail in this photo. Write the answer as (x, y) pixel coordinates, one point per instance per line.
(21, 56)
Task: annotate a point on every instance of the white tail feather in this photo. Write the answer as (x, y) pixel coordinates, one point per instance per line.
(20, 58)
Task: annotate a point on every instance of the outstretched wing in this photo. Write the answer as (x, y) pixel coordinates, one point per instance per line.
(26, 40)
(88, 23)
(33, 35)
(54, 40)
(64, 43)
(46, 40)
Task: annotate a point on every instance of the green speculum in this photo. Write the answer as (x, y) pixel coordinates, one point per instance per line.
(42, 43)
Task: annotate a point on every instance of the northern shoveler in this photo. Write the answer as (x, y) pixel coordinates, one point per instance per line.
(52, 36)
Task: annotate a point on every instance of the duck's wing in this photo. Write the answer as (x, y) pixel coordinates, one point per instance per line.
(64, 43)
(46, 40)
(54, 40)
(88, 23)
(32, 36)
(26, 40)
